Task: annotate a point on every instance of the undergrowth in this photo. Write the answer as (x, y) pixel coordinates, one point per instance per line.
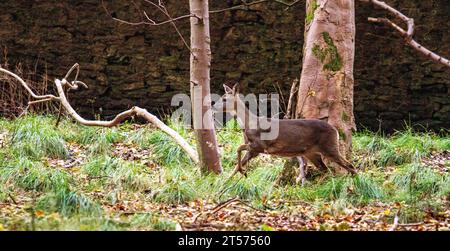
(79, 197)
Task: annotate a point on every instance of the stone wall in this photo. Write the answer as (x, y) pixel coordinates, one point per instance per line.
(140, 65)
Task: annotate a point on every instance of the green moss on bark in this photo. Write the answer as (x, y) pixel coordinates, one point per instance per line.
(328, 55)
(342, 135)
(345, 117)
(311, 10)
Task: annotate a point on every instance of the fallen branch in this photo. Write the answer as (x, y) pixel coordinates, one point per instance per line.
(222, 205)
(411, 224)
(134, 111)
(217, 208)
(408, 34)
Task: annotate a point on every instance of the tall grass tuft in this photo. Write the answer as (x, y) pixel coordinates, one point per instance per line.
(129, 175)
(165, 150)
(177, 187)
(150, 221)
(32, 175)
(68, 203)
(415, 182)
(403, 147)
(36, 137)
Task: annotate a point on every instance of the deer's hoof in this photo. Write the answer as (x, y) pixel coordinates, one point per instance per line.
(242, 171)
(301, 181)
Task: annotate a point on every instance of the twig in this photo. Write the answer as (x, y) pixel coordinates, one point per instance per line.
(163, 9)
(395, 225)
(294, 90)
(408, 34)
(410, 224)
(227, 188)
(12, 198)
(245, 5)
(149, 20)
(152, 22)
(252, 207)
(224, 204)
(283, 101)
(27, 88)
(217, 208)
(77, 161)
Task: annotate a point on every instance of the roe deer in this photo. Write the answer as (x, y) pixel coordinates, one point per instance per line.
(310, 138)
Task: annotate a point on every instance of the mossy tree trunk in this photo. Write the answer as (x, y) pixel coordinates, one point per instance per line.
(200, 64)
(326, 82)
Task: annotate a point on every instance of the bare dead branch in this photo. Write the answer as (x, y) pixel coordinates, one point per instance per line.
(149, 20)
(246, 5)
(164, 10)
(289, 111)
(63, 84)
(408, 34)
(39, 101)
(216, 208)
(25, 85)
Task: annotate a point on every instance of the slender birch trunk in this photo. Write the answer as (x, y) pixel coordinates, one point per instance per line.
(200, 87)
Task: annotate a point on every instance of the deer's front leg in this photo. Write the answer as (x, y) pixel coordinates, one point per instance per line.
(248, 156)
(239, 164)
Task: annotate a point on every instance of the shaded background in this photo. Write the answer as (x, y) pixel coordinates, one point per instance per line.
(261, 48)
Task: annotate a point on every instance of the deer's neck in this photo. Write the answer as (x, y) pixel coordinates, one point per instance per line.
(245, 117)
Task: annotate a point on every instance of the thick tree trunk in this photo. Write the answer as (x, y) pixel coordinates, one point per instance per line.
(326, 83)
(200, 90)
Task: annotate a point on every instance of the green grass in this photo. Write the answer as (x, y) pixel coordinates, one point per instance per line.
(68, 203)
(76, 198)
(165, 150)
(32, 175)
(148, 220)
(416, 182)
(402, 147)
(36, 137)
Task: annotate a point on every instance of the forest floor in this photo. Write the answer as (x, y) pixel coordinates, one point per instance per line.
(135, 178)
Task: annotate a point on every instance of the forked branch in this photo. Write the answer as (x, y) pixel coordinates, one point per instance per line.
(146, 20)
(406, 34)
(63, 85)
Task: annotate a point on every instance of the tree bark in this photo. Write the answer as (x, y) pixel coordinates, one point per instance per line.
(200, 87)
(326, 82)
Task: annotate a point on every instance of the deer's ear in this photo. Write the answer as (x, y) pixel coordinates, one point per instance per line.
(236, 88)
(227, 89)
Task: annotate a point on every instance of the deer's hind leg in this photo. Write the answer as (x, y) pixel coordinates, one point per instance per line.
(301, 174)
(336, 157)
(316, 159)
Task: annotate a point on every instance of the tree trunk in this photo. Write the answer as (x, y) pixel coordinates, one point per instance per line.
(200, 91)
(326, 83)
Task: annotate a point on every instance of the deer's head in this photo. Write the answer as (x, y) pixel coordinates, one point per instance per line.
(227, 102)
